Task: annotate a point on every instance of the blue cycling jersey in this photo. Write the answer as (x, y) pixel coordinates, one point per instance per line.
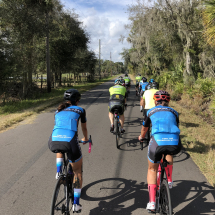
(66, 123)
(164, 125)
(143, 85)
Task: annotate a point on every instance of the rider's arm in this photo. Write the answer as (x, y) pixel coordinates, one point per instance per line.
(144, 131)
(145, 127)
(84, 130)
(84, 125)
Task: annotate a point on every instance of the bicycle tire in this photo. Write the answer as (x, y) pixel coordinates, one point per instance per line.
(115, 125)
(117, 140)
(165, 199)
(60, 198)
(116, 130)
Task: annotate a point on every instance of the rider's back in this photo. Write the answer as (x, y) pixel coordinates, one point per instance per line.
(148, 96)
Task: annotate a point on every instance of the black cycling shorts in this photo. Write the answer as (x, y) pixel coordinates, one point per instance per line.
(128, 84)
(137, 83)
(116, 105)
(155, 152)
(72, 148)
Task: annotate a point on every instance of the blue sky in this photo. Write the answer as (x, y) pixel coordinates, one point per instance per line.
(105, 20)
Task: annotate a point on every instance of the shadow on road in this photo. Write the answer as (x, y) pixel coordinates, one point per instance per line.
(189, 196)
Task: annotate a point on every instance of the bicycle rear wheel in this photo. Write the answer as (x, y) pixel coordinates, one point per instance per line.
(116, 131)
(60, 199)
(165, 199)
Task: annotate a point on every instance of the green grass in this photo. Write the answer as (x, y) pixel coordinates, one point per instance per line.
(45, 99)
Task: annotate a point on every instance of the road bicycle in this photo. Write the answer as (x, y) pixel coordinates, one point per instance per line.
(117, 127)
(63, 196)
(163, 197)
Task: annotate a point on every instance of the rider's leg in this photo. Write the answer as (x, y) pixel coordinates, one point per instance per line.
(169, 169)
(77, 169)
(152, 180)
(121, 120)
(59, 163)
(141, 104)
(111, 117)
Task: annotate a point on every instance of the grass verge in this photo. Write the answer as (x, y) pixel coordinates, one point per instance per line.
(198, 138)
(15, 112)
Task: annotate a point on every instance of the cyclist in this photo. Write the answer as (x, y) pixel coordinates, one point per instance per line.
(151, 80)
(127, 82)
(138, 78)
(117, 100)
(165, 134)
(65, 134)
(147, 100)
(143, 84)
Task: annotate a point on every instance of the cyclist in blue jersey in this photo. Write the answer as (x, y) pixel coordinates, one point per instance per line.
(142, 85)
(165, 134)
(65, 135)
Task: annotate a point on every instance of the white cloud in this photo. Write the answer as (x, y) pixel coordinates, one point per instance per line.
(104, 20)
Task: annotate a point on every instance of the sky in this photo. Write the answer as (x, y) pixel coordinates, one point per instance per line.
(104, 20)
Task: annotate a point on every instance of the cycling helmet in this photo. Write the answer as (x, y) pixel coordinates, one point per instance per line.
(151, 80)
(154, 85)
(72, 95)
(144, 79)
(120, 77)
(148, 87)
(161, 95)
(126, 75)
(118, 82)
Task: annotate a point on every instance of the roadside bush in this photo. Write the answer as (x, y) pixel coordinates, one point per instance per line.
(205, 86)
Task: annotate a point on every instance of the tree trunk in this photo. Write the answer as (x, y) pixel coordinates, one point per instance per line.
(60, 78)
(25, 85)
(188, 59)
(48, 54)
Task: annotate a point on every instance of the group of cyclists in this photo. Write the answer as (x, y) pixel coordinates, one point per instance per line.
(154, 103)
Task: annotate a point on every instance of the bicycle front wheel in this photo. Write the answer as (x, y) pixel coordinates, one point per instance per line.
(60, 199)
(165, 199)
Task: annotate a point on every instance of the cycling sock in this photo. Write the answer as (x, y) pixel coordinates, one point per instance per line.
(59, 163)
(77, 195)
(141, 108)
(152, 188)
(168, 170)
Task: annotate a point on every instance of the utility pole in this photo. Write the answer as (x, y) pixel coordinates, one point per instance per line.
(110, 65)
(99, 59)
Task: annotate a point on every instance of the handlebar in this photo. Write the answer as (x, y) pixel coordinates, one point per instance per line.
(89, 141)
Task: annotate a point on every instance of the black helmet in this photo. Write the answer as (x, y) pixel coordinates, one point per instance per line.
(126, 75)
(72, 95)
(154, 85)
(144, 79)
(148, 87)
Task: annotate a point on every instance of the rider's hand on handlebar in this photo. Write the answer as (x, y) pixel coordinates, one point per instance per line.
(140, 138)
(85, 140)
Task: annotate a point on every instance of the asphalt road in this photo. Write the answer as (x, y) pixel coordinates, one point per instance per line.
(114, 179)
